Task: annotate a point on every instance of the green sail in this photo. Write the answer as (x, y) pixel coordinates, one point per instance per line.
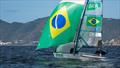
(62, 24)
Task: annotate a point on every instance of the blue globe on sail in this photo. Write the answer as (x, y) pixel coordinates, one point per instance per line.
(93, 21)
(58, 21)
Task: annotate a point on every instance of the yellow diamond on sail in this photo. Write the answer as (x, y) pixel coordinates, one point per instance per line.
(59, 22)
(93, 21)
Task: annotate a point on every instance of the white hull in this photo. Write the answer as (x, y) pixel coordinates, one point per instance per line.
(80, 56)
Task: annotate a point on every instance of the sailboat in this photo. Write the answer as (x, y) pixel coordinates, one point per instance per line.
(72, 25)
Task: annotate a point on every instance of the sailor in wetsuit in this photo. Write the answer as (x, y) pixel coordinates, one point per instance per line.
(99, 51)
(72, 50)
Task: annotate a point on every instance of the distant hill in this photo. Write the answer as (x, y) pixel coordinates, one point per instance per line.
(32, 30)
(21, 31)
(7, 30)
(111, 28)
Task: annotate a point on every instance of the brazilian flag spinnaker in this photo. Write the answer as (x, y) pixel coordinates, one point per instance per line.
(62, 24)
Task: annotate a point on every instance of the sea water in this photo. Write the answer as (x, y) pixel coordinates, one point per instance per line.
(19, 56)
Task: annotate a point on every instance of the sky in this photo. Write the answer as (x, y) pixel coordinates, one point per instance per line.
(28, 10)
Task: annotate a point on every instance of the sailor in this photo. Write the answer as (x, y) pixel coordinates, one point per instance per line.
(72, 50)
(99, 51)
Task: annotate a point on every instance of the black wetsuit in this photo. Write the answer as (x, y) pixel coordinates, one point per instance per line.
(72, 50)
(100, 52)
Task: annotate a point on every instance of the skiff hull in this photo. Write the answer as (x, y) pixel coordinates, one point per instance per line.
(80, 56)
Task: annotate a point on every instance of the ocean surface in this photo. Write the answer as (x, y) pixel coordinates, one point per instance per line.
(19, 56)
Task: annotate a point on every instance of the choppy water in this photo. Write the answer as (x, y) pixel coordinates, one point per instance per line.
(27, 57)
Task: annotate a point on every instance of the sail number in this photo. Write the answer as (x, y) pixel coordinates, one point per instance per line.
(93, 6)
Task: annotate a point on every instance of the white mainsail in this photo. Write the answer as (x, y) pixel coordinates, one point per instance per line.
(91, 30)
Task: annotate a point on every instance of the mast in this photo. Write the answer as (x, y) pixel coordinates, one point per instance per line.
(101, 29)
(79, 28)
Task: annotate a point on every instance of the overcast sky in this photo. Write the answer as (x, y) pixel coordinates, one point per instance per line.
(28, 10)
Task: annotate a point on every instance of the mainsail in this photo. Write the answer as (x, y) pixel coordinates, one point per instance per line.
(91, 31)
(62, 24)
